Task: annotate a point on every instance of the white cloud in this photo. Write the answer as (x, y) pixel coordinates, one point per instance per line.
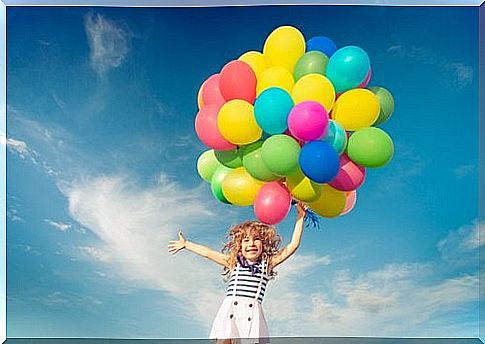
(58, 225)
(108, 42)
(459, 247)
(95, 253)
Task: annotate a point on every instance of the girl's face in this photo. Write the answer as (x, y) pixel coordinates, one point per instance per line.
(252, 246)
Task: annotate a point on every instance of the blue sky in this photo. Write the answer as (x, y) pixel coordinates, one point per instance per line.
(101, 155)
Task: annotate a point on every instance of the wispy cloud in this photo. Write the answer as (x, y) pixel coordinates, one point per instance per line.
(460, 246)
(463, 171)
(108, 42)
(58, 225)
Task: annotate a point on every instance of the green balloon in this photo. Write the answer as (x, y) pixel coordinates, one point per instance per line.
(229, 158)
(280, 154)
(207, 164)
(386, 101)
(254, 164)
(370, 147)
(311, 62)
(216, 183)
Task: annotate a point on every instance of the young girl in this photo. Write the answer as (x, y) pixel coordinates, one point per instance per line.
(248, 258)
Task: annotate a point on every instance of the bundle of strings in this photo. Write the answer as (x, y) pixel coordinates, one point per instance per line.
(311, 218)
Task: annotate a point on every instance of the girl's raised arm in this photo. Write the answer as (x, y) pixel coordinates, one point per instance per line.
(289, 249)
(206, 252)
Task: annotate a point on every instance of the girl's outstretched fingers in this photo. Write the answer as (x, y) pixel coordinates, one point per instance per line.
(175, 246)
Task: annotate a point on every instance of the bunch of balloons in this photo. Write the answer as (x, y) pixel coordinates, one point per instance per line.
(296, 121)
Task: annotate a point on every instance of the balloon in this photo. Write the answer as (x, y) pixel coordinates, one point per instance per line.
(386, 102)
(216, 183)
(230, 158)
(200, 101)
(370, 147)
(211, 94)
(331, 202)
(238, 81)
(207, 164)
(308, 121)
(313, 62)
(240, 188)
(350, 175)
(283, 47)
(356, 109)
(275, 77)
(280, 154)
(237, 123)
(350, 200)
(254, 164)
(319, 161)
(255, 59)
(322, 44)
(271, 110)
(302, 188)
(207, 129)
(314, 87)
(273, 203)
(367, 79)
(347, 68)
(335, 136)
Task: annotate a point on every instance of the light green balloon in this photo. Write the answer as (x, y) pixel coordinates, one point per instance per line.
(311, 62)
(229, 158)
(216, 183)
(280, 154)
(254, 164)
(207, 164)
(386, 101)
(370, 147)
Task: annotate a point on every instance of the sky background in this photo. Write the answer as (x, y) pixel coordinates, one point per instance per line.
(101, 156)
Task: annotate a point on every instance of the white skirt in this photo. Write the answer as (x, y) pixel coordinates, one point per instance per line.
(242, 319)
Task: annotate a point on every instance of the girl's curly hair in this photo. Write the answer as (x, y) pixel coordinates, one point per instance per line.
(269, 237)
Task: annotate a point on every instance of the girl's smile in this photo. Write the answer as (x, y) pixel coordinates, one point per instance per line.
(251, 247)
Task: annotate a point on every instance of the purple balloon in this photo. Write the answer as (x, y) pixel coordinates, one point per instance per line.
(308, 121)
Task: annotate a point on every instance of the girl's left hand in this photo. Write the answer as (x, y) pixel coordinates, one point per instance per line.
(301, 209)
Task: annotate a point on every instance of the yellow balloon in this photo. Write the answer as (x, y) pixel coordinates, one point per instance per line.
(237, 123)
(200, 101)
(240, 188)
(356, 109)
(275, 77)
(283, 47)
(255, 60)
(302, 188)
(330, 203)
(314, 87)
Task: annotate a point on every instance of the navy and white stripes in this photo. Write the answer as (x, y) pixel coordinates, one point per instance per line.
(243, 283)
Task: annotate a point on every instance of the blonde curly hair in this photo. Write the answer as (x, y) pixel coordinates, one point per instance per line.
(268, 235)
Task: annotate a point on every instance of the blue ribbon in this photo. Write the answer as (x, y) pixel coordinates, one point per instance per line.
(244, 263)
(311, 218)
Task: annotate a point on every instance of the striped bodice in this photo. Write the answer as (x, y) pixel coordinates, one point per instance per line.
(243, 283)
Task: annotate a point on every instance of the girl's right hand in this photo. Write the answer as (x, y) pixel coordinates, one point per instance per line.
(175, 246)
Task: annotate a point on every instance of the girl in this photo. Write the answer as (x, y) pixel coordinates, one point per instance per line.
(248, 258)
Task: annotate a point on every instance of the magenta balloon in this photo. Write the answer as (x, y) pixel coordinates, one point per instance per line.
(350, 200)
(350, 175)
(207, 129)
(273, 203)
(211, 94)
(367, 79)
(308, 121)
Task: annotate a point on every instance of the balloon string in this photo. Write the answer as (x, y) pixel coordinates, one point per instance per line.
(311, 218)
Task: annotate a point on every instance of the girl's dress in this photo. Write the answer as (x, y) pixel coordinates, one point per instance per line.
(241, 315)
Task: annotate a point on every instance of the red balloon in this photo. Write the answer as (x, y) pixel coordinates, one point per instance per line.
(367, 79)
(211, 94)
(238, 81)
(207, 129)
(350, 175)
(273, 203)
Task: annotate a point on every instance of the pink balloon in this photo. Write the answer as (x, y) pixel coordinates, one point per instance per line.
(273, 203)
(350, 200)
(366, 80)
(211, 94)
(207, 129)
(238, 81)
(308, 121)
(350, 175)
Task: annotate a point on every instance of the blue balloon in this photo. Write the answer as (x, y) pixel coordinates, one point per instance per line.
(319, 161)
(271, 110)
(335, 136)
(348, 68)
(323, 44)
